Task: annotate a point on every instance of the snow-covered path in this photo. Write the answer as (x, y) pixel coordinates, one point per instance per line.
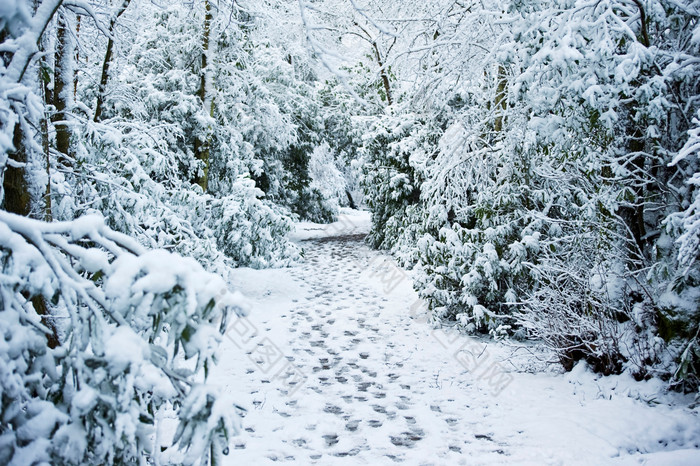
(377, 386)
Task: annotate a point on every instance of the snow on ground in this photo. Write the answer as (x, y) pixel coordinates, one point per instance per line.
(337, 365)
(350, 222)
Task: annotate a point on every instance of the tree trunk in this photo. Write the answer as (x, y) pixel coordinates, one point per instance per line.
(47, 96)
(18, 201)
(382, 71)
(17, 198)
(77, 59)
(202, 148)
(643, 21)
(634, 214)
(63, 77)
(108, 61)
(380, 60)
(351, 201)
(500, 101)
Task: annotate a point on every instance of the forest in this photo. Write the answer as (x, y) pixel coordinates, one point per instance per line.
(535, 165)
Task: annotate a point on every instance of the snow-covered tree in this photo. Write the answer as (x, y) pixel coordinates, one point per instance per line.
(100, 335)
(148, 146)
(543, 206)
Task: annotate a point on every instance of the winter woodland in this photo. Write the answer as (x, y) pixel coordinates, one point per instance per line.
(533, 166)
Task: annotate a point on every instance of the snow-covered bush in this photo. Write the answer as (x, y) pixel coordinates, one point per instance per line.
(326, 178)
(580, 304)
(141, 193)
(612, 96)
(144, 152)
(250, 230)
(479, 233)
(137, 332)
(689, 219)
(683, 300)
(282, 122)
(100, 335)
(393, 156)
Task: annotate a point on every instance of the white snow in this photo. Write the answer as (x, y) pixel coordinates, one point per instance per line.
(125, 348)
(350, 222)
(376, 384)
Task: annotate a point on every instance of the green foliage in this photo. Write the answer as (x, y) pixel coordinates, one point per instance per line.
(394, 151)
(686, 376)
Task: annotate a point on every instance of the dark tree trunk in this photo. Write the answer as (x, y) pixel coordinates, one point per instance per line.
(104, 78)
(202, 148)
(634, 213)
(351, 201)
(500, 102)
(384, 75)
(63, 84)
(17, 199)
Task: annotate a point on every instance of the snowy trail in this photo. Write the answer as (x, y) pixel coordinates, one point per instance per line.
(377, 386)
